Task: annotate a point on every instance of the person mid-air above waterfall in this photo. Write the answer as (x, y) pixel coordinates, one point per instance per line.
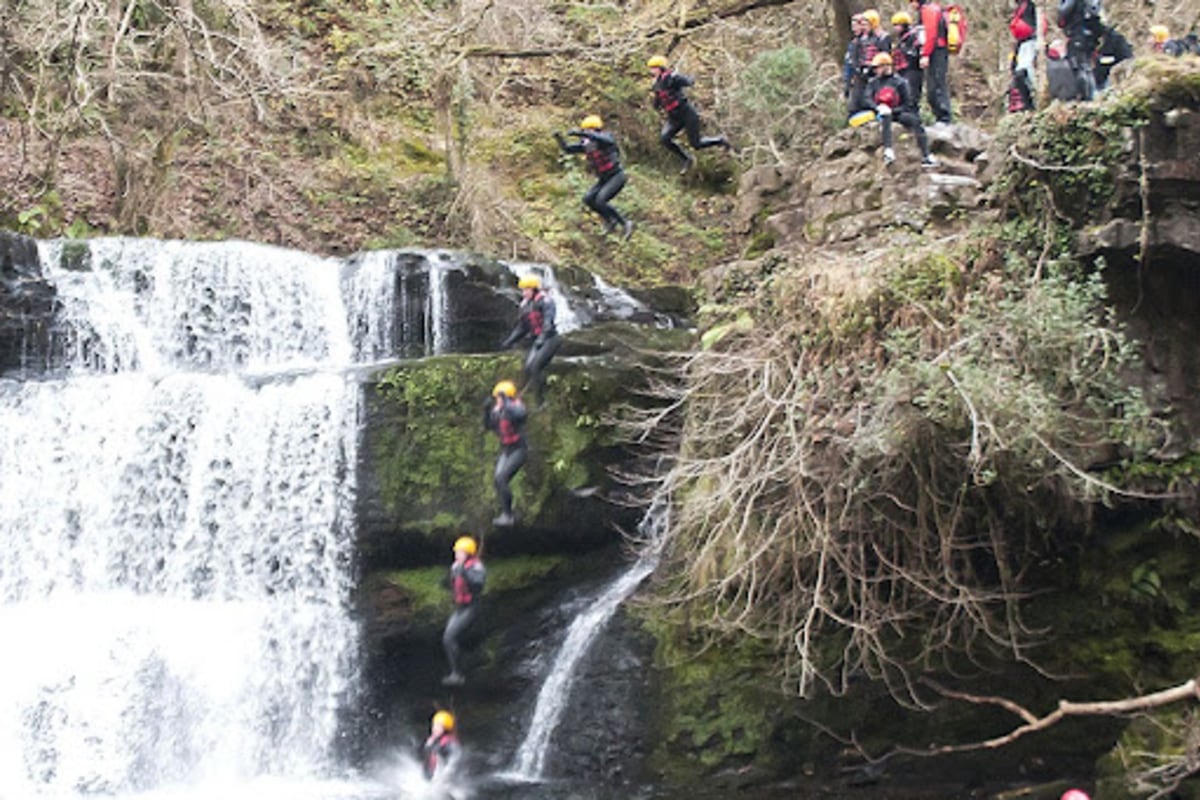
(442, 747)
(465, 581)
(604, 158)
(505, 414)
(536, 321)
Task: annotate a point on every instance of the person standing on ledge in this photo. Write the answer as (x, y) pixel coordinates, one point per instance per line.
(680, 115)
(465, 581)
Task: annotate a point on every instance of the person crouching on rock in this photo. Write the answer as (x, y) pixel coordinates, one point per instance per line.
(536, 321)
(465, 581)
(604, 157)
(442, 747)
(505, 414)
(890, 94)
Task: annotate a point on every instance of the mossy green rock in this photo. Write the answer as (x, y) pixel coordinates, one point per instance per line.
(425, 470)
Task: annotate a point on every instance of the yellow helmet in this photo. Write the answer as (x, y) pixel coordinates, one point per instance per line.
(445, 719)
(507, 388)
(529, 282)
(656, 61)
(1159, 32)
(467, 545)
(880, 59)
(591, 121)
(902, 18)
(871, 16)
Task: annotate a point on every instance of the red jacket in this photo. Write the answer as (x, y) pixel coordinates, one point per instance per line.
(931, 21)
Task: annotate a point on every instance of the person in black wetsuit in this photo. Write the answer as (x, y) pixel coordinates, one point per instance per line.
(604, 157)
(890, 94)
(670, 98)
(505, 414)
(465, 581)
(536, 321)
(442, 747)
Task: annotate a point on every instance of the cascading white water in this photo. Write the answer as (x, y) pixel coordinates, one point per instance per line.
(176, 576)
(555, 693)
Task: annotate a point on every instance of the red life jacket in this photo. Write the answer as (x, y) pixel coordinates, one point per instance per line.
(535, 315)
(667, 100)
(508, 432)
(888, 96)
(462, 589)
(439, 748)
(599, 158)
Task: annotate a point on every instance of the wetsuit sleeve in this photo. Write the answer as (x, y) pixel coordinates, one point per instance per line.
(518, 333)
(548, 313)
(603, 137)
(679, 82)
(568, 147)
(448, 578)
(516, 412)
(476, 576)
(489, 418)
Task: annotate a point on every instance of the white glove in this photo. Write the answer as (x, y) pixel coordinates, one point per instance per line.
(883, 111)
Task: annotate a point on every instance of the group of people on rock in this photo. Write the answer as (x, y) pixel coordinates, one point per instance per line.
(1080, 67)
(885, 73)
(669, 89)
(504, 413)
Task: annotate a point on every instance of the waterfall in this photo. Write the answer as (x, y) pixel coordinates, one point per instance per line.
(555, 693)
(176, 578)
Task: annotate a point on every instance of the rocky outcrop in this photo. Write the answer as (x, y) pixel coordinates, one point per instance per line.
(26, 303)
(848, 193)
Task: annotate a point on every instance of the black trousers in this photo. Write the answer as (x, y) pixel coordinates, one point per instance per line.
(936, 86)
(686, 118)
(909, 120)
(605, 189)
(511, 460)
(536, 362)
(458, 623)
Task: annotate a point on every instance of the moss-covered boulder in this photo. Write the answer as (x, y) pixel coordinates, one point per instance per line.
(425, 474)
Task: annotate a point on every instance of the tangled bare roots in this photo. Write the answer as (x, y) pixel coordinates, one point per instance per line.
(870, 508)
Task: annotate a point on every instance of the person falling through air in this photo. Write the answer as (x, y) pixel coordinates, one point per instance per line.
(536, 321)
(505, 414)
(465, 581)
(604, 158)
(442, 747)
(670, 97)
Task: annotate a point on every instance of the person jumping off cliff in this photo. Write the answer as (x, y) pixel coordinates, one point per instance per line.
(465, 581)
(604, 157)
(536, 321)
(670, 97)
(505, 414)
(442, 747)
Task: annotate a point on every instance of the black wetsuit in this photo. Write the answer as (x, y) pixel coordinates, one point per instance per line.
(466, 583)
(537, 321)
(438, 752)
(670, 97)
(894, 89)
(1080, 21)
(507, 421)
(906, 61)
(1114, 48)
(604, 158)
(864, 50)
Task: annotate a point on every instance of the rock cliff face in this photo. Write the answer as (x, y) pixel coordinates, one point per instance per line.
(26, 305)
(848, 195)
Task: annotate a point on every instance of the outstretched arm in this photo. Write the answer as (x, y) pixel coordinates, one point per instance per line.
(568, 147)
